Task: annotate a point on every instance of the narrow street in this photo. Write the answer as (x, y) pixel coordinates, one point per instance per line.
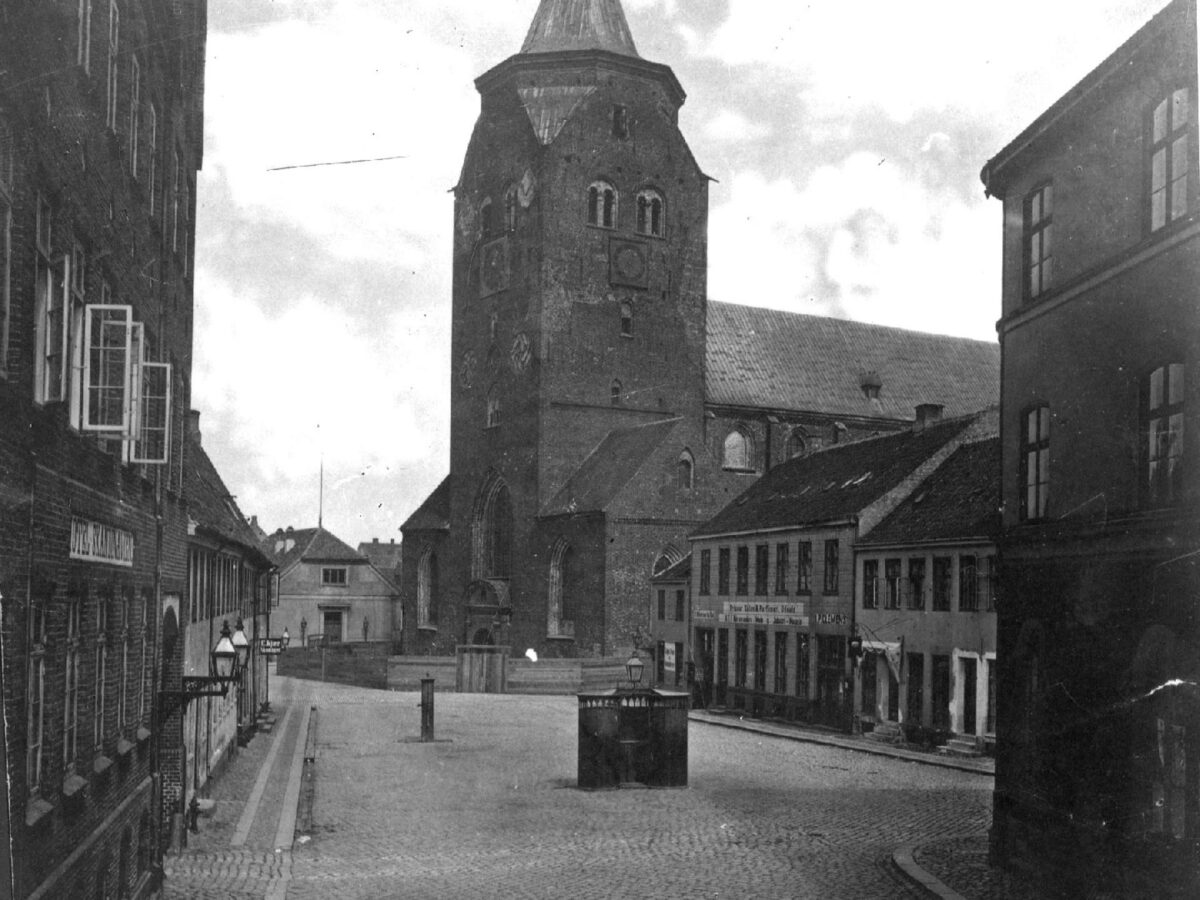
(491, 810)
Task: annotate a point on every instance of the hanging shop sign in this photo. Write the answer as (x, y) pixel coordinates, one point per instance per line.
(94, 542)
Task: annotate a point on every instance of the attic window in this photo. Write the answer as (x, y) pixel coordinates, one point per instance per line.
(334, 576)
(871, 385)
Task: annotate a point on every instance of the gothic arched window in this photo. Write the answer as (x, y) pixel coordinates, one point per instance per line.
(510, 208)
(739, 450)
(650, 209)
(563, 588)
(797, 443)
(626, 319)
(685, 471)
(493, 407)
(602, 204)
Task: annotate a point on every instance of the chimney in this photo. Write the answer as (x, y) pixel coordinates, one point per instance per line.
(928, 415)
(193, 425)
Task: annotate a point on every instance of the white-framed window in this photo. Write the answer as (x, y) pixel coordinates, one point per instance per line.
(71, 686)
(602, 205)
(83, 37)
(123, 687)
(100, 682)
(50, 299)
(1170, 152)
(151, 438)
(36, 693)
(135, 112)
(108, 345)
(650, 210)
(114, 49)
(6, 203)
(334, 576)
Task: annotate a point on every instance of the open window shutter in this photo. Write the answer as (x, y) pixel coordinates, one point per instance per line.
(108, 339)
(151, 440)
(63, 326)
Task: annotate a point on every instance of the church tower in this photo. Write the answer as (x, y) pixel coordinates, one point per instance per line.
(579, 297)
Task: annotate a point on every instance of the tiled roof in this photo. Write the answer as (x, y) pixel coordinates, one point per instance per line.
(210, 505)
(608, 468)
(384, 556)
(961, 499)
(308, 544)
(434, 513)
(832, 484)
(579, 25)
(777, 360)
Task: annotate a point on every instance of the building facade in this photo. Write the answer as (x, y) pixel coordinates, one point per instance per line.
(229, 580)
(1098, 772)
(670, 624)
(774, 573)
(100, 142)
(601, 407)
(926, 588)
(327, 591)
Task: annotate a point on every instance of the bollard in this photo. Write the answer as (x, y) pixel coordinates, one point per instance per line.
(426, 709)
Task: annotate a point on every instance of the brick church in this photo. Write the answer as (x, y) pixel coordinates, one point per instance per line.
(602, 407)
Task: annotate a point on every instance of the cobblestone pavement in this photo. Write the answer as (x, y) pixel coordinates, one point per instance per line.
(961, 864)
(491, 810)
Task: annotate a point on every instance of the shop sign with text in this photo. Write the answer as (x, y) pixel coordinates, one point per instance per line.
(94, 542)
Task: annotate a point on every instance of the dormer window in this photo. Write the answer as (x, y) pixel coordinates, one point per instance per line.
(650, 213)
(602, 205)
(334, 576)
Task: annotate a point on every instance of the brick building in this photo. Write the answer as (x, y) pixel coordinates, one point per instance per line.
(601, 406)
(1098, 768)
(773, 574)
(100, 141)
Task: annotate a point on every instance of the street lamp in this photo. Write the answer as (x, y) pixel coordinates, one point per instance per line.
(633, 668)
(223, 669)
(241, 645)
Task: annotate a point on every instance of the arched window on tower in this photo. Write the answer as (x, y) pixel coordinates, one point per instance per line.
(510, 208)
(564, 587)
(427, 578)
(739, 451)
(626, 319)
(493, 407)
(487, 220)
(685, 471)
(615, 395)
(650, 213)
(602, 205)
(498, 533)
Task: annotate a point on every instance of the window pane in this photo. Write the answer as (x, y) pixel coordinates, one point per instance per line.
(1047, 270)
(1175, 384)
(1035, 208)
(1158, 170)
(1044, 423)
(1035, 248)
(1179, 108)
(1179, 204)
(1048, 201)
(1031, 426)
(1156, 388)
(1158, 210)
(1160, 121)
(1046, 235)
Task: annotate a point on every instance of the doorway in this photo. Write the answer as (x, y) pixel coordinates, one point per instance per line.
(969, 671)
(331, 626)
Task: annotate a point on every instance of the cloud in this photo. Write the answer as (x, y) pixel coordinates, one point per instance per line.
(730, 125)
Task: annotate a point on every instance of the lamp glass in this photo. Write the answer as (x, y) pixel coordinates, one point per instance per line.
(241, 645)
(634, 669)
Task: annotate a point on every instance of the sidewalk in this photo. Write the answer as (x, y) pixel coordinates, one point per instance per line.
(982, 765)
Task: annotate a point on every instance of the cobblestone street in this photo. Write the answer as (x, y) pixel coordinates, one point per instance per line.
(491, 810)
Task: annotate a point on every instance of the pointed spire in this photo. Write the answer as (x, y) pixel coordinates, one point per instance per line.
(579, 25)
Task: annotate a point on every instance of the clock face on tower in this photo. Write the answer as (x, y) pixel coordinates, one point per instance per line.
(628, 263)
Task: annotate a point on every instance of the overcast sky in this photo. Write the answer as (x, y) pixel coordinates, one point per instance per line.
(845, 138)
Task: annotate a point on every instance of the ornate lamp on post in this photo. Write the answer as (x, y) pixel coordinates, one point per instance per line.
(633, 668)
(241, 646)
(223, 668)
